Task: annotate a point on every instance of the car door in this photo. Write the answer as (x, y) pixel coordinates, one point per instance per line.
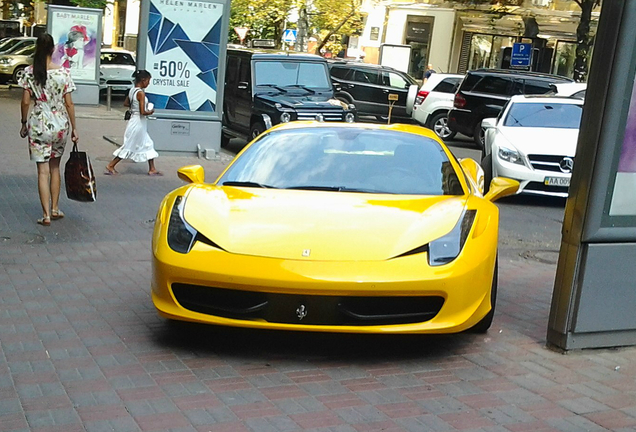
(394, 83)
(238, 92)
(493, 92)
(367, 92)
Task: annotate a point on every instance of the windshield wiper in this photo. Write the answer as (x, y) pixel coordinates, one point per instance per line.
(280, 89)
(336, 189)
(246, 184)
(310, 90)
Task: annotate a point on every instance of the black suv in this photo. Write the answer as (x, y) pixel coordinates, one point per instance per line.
(484, 92)
(264, 88)
(368, 87)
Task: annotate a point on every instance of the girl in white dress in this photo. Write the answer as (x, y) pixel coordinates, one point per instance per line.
(138, 146)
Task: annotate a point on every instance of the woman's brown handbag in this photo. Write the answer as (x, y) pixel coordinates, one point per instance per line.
(79, 177)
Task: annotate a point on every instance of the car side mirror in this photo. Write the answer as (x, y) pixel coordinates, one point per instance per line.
(191, 174)
(474, 171)
(501, 187)
(489, 123)
(243, 85)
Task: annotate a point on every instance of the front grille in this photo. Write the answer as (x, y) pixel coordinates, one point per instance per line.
(540, 187)
(327, 116)
(319, 310)
(546, 162)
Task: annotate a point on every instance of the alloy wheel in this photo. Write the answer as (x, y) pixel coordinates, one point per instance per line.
(441, 128)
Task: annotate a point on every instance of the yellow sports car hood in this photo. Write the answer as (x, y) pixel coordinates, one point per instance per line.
(318, 225)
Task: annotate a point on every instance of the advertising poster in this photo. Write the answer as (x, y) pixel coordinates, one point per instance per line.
(75, 34)
(624, 195)
(183, 54)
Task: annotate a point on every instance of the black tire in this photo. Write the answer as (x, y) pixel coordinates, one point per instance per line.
(478, 136)
(256, 129)
(486, 165)
(485, 323)
(17, 73)
(225, 140)
(439, 125)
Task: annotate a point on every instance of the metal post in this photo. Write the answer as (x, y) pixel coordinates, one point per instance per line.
(109, 92)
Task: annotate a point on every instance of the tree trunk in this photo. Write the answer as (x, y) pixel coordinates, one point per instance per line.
(584, 40)
(334, 31)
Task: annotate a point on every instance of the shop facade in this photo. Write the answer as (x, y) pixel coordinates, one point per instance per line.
(456, 38)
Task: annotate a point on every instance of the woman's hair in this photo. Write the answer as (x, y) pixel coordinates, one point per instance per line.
(141, 75)
(43, 49)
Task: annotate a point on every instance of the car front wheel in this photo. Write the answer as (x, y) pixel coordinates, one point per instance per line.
(257, 129)
(439, 124)
(479, 136)
(17, 74)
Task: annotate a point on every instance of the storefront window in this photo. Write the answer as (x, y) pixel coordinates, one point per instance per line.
(486, 50)
(480, 47)
(565, 54)
(418, 35)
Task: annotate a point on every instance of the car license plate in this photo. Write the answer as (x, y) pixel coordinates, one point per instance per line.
(119, 88)
(557, 181)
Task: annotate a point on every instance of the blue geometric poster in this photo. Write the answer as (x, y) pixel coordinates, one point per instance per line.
(183, 54)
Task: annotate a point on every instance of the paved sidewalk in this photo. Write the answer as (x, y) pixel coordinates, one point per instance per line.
(82, 348)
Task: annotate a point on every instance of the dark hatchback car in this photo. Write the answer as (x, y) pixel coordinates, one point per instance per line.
(484, 92)
(265, 88)
(368, 87)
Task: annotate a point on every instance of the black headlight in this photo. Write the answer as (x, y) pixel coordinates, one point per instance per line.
(445, 249)
(181, 235)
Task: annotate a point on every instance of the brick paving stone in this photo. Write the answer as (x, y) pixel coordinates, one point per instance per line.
(82, 348)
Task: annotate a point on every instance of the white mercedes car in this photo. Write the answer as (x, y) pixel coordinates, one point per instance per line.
(533, 141)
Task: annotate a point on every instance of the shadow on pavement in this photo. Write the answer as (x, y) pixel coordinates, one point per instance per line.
(534, 200)
(204, 340)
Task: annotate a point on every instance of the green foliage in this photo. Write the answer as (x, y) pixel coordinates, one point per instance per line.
(264, 18)
(329, 20)
(95, 4)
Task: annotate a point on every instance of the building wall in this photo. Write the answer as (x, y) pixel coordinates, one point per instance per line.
(441, 38)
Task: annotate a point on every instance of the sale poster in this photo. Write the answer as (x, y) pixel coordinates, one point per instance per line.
(75, 34)
(624, 194)
(183, 39)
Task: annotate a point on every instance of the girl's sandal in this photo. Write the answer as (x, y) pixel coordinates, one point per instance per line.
(45, 221)
(59, 214)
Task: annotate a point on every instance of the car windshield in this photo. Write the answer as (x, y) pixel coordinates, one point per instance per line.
(346, 159)
(114, 58)
(27, 50)
(544, 115)
(312, 75)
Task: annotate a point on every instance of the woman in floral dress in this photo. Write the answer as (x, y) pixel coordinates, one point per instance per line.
(49, 122)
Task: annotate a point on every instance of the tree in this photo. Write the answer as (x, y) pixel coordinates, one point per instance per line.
(265, 18)
(583, 38)
(332, 18)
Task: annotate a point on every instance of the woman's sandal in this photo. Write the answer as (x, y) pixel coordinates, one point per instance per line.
(46, 221)
(57, 214)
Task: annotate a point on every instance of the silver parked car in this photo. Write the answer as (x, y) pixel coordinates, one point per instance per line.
(12, 65)
(15, 44)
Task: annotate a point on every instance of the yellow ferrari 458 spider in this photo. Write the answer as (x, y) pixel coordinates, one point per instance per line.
(333, 227)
